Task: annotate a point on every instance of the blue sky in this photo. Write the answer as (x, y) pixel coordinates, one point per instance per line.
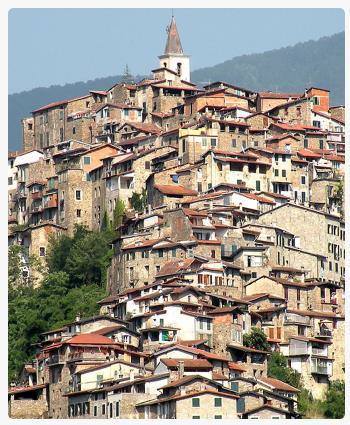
(58, 46)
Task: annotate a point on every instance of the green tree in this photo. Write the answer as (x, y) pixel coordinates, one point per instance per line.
(256, 339)
(118, 214)
(334, 404)
(17, 259)
(277, 368)
(339, 196)
(75, 279)
(139, 201)
(89, 259)
(33, 311)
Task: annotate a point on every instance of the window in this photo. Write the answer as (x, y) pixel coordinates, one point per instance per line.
(301, 330)
(276, 172)
(175, 178)
(284, 173)
(160, 253)
(321, 143)
(217, 401)
(234, 143)
(117, 409)
(306, 143)
(196, 417)
(298, 294)
(78, 195)
(126, 112)
(218, 417)
(147, 165)
(42, 251)
(213, 143)
(257, 185)
(330, 266)
(303, 179)
(87, 160)
(195, 402)
(174, 252)
(10, 180)
(286, 293)
(73, 131)
(95, 410)
(103, 409)
(79, 213)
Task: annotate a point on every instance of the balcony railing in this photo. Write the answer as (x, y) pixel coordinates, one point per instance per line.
(291, 318)
(55, 359)
(36, 208)
(320, 367)
(37, 195)
(319, 351)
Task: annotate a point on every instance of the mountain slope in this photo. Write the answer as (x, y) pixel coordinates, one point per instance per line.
(317, 63)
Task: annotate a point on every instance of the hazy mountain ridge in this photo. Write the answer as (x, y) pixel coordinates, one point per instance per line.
(319, 63)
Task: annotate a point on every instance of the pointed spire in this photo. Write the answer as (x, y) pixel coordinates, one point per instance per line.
(173, 44)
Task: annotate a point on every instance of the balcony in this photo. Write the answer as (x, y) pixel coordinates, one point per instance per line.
(324, 332)
(295, 319)
(320, 367)
(37, 195)
(51, 203)
(316, 351)
(36, 209)
(55, 359)
(86, 356)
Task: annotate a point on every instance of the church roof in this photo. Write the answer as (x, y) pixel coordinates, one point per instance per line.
(173, 44)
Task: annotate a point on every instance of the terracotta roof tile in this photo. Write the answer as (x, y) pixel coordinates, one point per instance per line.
(188, 363)
(174, 190)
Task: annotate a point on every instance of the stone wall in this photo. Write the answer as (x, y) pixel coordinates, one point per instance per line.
(28, 409)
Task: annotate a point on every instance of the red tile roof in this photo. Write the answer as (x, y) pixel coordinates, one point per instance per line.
(188, 363)
(175, 266)
(236, 366)
(271, 95)
(59, 103)
(277, 384)
(174, 190)
(308, 154)
(89, 339)
(142, 244)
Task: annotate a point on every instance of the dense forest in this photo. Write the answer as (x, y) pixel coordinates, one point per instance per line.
(319, 63)
(73, 280)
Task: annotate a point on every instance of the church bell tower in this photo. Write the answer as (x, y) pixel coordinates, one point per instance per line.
(174, 57)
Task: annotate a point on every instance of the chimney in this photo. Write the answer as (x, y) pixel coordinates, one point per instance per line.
(181, 368)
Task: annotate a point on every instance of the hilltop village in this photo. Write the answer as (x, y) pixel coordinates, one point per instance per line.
(240, 228)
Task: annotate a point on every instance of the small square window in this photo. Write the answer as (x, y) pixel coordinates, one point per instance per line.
(217, 401)
(78, 195)
(42, 251)
(87, 159)
(195, 402)
(78, 213)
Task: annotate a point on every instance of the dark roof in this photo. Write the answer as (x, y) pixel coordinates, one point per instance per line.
(173, 44)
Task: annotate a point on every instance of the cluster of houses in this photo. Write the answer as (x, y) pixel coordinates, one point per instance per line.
(241, 226)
